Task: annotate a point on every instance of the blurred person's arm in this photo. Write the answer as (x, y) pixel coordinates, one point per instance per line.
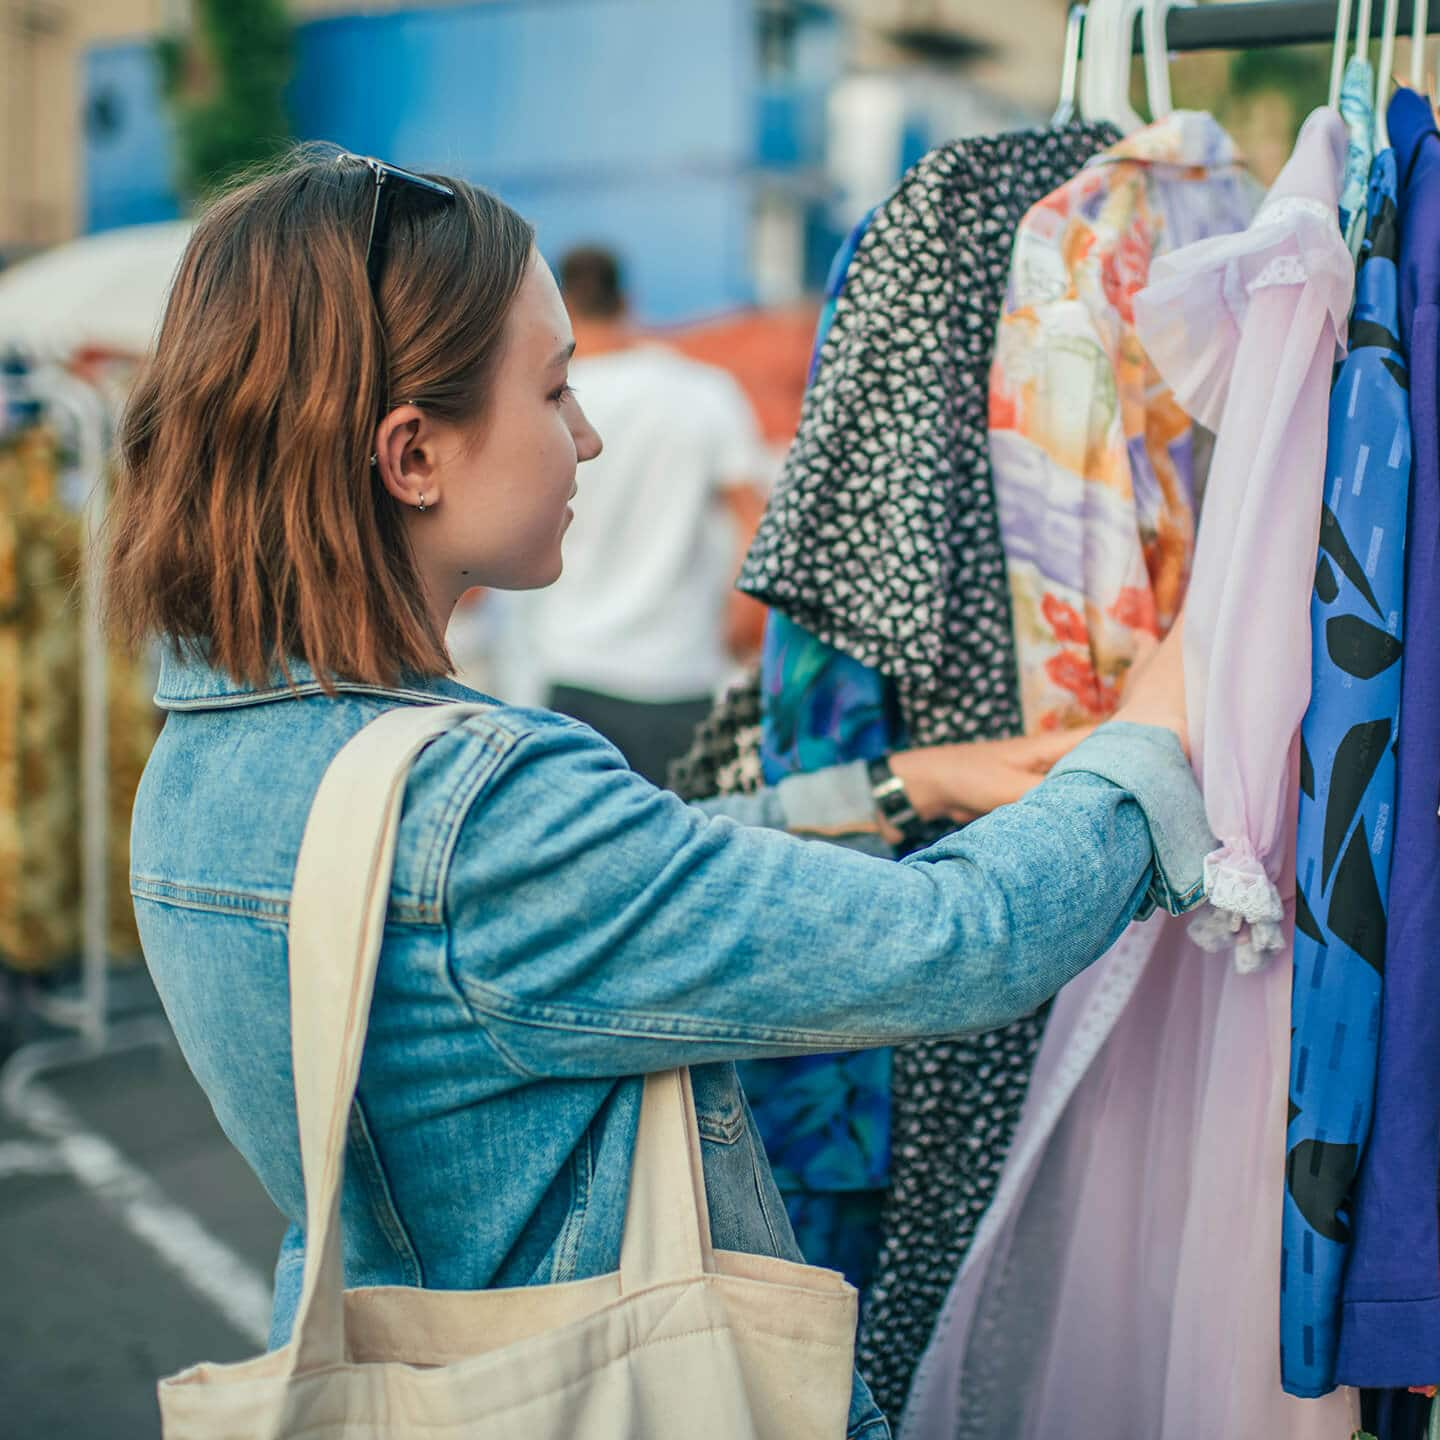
(739, 463)
(744, 615)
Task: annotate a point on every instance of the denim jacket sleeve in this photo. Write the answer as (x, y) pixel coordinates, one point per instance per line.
(1148, 762)
(601, 927)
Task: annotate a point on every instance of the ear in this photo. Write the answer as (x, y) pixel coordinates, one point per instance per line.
(405, 457)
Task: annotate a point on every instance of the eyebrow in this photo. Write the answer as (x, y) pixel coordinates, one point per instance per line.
(563, 355)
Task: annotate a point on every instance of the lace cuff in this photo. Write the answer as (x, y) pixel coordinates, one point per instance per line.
(1242, 911)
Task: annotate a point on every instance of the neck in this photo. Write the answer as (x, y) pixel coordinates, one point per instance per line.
(442, 590)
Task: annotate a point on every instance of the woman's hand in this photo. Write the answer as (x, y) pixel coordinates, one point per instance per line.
(962, 782)
(1155, 692)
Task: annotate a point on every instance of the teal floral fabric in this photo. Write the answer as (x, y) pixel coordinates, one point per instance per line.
(1357, 108)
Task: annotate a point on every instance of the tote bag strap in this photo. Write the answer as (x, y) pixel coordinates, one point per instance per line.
(667, 1220)
(338, 903)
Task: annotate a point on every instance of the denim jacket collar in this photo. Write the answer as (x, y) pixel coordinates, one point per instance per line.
(189, 682)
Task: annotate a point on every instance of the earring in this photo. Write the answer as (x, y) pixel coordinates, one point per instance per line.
(422, 502)
(374, 461)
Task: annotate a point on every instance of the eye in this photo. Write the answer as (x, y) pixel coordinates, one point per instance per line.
(561, 395)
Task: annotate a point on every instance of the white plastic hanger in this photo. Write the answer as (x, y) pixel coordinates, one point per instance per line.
(1157, 54)
(1418, 33)
(1070, 66)
(1105, 76)
(1341, 51)
(1383, 72)
(1362, 30)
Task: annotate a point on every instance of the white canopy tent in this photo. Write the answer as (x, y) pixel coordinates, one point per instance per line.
(102, 292)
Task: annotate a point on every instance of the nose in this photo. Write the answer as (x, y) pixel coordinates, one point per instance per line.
(588, 443)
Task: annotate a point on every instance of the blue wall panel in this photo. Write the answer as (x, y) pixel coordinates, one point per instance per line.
(685, 241)
(127, 141)
(516, 88)
(630, 122)
(627, 122)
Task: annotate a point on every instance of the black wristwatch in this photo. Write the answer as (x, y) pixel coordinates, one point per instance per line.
(892, 801)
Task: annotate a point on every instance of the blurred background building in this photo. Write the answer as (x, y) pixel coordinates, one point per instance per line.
(721, 145)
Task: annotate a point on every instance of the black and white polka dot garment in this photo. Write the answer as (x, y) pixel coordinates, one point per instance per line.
(884, 541)
(724, 756)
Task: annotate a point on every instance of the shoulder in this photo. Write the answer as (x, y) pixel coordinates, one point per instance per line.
(225, 798)
(523, 814)
(537, 767)
(497, 740)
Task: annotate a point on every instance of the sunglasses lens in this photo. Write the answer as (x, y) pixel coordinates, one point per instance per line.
(383, 173)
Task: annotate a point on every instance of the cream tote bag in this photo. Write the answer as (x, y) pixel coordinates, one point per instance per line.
(682, 1341)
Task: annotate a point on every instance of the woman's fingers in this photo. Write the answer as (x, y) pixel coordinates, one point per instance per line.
(962, 782)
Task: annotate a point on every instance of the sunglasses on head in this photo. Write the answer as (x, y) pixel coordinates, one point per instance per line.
(391, 175)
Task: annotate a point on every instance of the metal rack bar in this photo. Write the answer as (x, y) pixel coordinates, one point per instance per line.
(1268, 23)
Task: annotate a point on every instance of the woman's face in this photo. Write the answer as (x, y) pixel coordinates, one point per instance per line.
(498, 491)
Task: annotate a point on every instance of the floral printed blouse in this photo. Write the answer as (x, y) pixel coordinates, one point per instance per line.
(1092, 458)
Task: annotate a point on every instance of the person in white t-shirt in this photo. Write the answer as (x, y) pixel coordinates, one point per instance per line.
(636, 636)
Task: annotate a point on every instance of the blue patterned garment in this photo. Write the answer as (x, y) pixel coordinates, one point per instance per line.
(1357, 107)
(1347, 801)
(825, 1119)
(821, 707)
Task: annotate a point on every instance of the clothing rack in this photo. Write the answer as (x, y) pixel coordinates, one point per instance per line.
(1269, 23)
(87, 1029)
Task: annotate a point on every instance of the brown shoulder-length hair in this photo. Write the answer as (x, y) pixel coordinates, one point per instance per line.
(246, 514)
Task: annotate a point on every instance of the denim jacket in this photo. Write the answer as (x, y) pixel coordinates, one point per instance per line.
(558, 927)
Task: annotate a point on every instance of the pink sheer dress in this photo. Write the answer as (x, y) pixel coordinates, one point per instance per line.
(1124, 1284)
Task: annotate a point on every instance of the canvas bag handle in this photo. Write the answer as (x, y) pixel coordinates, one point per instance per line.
(338, 903)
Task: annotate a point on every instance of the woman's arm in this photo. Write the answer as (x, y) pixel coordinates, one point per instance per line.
(602, 927)
(956, 783)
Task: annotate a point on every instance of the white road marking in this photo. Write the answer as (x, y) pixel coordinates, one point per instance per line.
(26, 1157)
(209, 1267)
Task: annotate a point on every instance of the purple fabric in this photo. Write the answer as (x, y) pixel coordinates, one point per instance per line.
(1390, 1324)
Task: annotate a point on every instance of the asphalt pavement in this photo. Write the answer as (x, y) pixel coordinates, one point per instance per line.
(134, 1240)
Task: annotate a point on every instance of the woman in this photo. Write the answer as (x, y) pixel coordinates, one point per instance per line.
(357, 410)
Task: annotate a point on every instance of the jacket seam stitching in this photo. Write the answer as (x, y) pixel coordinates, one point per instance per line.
(382, 1200)
(720, 1131)
(479, 774)
(262, 912)
(581, 1181)
(307, 689)
(250, 906)
(477, 1016)
(760, 1200)
(457, 808)
(637, 1025)
(138, 882)
(876, 1428)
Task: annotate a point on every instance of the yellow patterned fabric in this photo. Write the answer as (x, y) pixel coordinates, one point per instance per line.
(41, 545)
(1091, 458)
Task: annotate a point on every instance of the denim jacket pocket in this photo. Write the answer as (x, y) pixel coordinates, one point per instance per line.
(719, 1107)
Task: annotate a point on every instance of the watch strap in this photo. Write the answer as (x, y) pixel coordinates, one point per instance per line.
(892, 799)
